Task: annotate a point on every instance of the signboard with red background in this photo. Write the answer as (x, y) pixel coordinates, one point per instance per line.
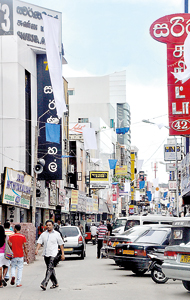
(173, 30)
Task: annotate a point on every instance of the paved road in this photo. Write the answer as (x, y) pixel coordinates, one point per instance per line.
(91, 279)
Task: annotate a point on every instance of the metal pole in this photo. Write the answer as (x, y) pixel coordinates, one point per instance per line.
(176, 176)
(35, 178)
(186, 4)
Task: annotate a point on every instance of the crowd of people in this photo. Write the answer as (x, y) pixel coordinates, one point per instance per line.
(50, 237)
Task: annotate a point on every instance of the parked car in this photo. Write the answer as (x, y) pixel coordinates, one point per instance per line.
(134, 256)
(177, 255)
(129, 236)
(177, 263)
(74, 242)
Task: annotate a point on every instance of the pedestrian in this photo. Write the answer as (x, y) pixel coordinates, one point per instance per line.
(40, 229)
(17, 242)
(83, 223)
(109, 227)
(8, 232)
(3, 261)
(102, 231)
(50, 239)
(93, 230)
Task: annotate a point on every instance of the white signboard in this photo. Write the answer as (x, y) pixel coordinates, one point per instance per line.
(170, 167)
(25, 20)
(28, 24)
(17, 188)
(172, 185)
(169, 152)
(76, 128)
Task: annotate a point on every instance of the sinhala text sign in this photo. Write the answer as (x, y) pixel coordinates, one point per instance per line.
(17, 188)
(173, 30)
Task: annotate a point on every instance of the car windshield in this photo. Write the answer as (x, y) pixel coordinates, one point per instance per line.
(135, 231)
(69, 231)
(153, 237)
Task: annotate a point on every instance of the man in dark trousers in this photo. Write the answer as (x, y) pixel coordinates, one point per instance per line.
(109, 227)
(51, 239)
(102, 231)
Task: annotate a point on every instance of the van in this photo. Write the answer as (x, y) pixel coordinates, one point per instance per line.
(149, 219)
(119, 225)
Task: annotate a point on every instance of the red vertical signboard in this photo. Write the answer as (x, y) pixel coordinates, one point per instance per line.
(173, 30)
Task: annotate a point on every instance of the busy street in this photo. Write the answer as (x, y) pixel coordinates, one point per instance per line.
(91, 279)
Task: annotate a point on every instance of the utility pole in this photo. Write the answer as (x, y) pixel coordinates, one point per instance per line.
(176, 176)
(35, 178)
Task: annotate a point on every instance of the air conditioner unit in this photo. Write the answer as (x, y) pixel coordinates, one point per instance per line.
(71, 185)
(71, 169)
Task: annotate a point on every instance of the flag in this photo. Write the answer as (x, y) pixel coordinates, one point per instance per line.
(141, 185)
(89, 138)
(51, 32)
(149, 195)
(112, 163)
(53, 133)
(122, 130)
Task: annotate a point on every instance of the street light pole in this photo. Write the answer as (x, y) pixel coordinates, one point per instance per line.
(176, 168)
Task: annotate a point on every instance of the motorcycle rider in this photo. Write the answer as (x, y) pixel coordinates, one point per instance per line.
(93, 230)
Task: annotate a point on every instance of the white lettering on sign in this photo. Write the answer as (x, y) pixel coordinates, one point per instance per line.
(185, 109)
(177, 94)
(7, 24)
(181, 125)
(162, 30)
(52, 167)
(178, 50)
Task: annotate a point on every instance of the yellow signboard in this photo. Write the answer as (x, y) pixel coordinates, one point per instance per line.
(74, 200)
(99, 176)
(121, 170)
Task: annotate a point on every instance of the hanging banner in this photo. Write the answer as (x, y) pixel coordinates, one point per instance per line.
(51, 152)
(121, 170)
(17, 188)
(173, 30)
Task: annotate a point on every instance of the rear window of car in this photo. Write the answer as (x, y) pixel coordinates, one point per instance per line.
(131, 223)
(153, 237)
(135, 231)
(69, 231)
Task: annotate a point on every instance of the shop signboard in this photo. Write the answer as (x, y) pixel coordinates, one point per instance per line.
(17, 188)
(81, 201)
(25, 20)
(74, 200)
(169, 152)
(172, 185)
(173, 30)
(77, 128)
(51, 152)
(99, 179)
(121, 170)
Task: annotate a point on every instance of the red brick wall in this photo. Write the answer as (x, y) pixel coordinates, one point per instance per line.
(29, 231)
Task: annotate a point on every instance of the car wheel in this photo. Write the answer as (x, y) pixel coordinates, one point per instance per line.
(158, 277)
(186, 284)
(139, 272)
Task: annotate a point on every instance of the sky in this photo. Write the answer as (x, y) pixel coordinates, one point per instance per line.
(105, 36)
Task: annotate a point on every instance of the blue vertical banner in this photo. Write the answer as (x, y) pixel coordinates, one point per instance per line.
(48, 149)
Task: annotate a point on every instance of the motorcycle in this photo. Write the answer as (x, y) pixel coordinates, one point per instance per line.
(93, 239)
(157, 259)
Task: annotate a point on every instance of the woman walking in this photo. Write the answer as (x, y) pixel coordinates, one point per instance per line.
(3, 261)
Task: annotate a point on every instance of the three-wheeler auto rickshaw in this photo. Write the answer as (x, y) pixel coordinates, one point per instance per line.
(180, 231)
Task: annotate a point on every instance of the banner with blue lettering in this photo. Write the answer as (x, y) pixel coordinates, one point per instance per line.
(50, 151)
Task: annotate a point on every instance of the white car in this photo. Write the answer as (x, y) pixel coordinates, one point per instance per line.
(74, 242)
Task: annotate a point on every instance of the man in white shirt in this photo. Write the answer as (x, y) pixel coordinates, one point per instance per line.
(50, 239)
